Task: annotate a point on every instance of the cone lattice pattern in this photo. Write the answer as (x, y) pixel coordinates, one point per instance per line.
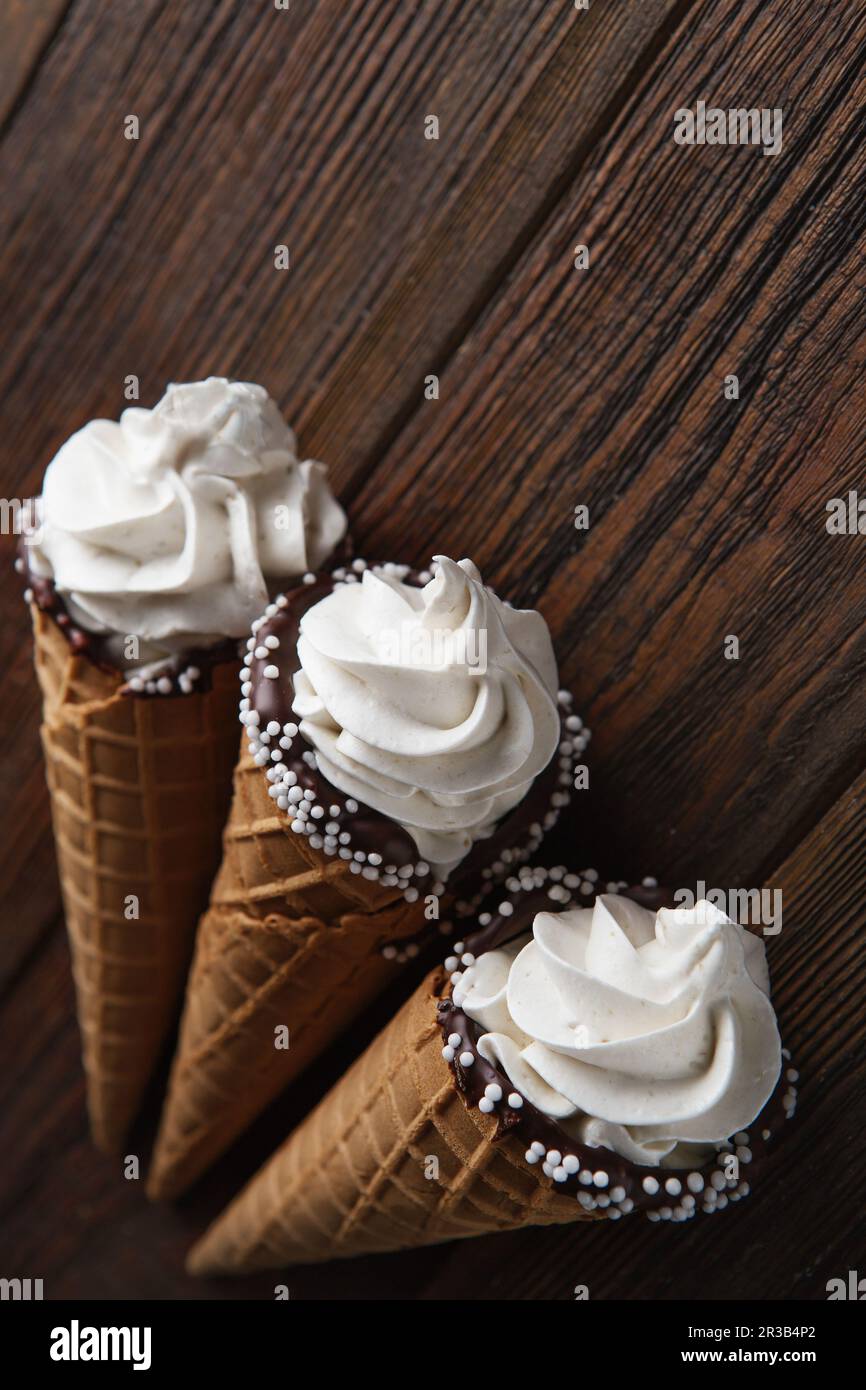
(292, 941)
(351, 1179)
(139, 792)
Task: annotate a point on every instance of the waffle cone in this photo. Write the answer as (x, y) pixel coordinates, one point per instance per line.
(139, 790)
(351, 1179)
(292, 939)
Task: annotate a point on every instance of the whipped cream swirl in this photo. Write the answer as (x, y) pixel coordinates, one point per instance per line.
(169, 523)
(436, 706)
(649, 1034)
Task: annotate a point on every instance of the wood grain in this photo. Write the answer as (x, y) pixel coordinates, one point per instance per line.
(605, 388)
(306, 128)
(557, 388)
(25, 32)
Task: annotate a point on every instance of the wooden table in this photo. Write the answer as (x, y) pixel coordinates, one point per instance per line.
(558, 387)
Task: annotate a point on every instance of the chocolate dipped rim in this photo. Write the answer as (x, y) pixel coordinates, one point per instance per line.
(178, 674)
(374, 844)
(601, 1180)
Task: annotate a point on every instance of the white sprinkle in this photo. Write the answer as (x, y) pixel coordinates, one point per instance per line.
(515, 1101)
(673, 1187)
(493, 1091)
(485, 1105)
(467, 1059)
(694, 1182)
(650, 1186)
(271, 673)
(447, 1052)
(272, 643)
(600, 1178)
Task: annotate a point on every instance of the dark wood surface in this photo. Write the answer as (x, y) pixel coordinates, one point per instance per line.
(557, 388)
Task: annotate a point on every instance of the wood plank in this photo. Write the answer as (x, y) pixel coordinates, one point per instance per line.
(306, 127)
(755, 1250)
(605, 387)
(26, 30)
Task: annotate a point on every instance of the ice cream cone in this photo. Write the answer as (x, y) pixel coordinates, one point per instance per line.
(455, 1122)
(139, 789)
(159, 537)
(391, 1158)
(317, 886)
(292, 940)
